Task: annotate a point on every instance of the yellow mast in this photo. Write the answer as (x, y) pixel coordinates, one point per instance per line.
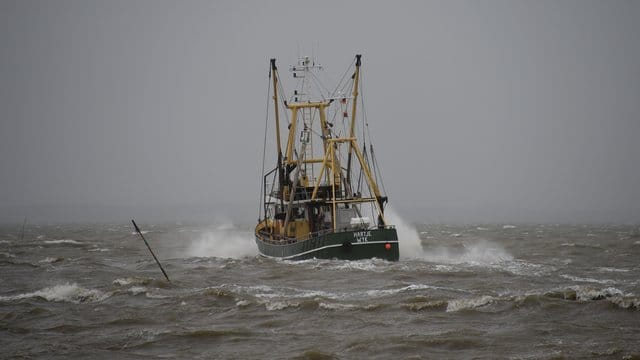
(372, 183)
(356, 79)
(333, 183)
(274, 73)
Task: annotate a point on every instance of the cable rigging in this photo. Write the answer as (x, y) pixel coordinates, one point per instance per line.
(263, 194)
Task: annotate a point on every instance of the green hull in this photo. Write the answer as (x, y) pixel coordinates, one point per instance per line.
(345, 245)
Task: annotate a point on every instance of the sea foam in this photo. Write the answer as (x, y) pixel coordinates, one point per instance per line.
(51, 260)
(63, 241)
(62, 293)
(468, 304)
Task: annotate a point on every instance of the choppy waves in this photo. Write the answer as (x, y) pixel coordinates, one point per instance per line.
(414, 297)
(62, 241)
(485, 291)
(61, 293)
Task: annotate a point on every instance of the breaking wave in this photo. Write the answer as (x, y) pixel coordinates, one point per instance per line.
(589, 280)
(139, 281)
(62, 293)
(578, 294)
(51, 260)
(63, 241)
(469, 304)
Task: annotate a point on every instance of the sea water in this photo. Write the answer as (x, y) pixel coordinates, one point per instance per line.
(480, 291)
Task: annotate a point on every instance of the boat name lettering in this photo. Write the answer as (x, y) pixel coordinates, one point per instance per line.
(362, 236)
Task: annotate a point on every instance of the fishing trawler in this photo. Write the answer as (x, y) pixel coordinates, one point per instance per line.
(322, 199)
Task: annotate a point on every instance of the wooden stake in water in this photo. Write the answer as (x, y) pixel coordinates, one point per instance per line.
(148, 247)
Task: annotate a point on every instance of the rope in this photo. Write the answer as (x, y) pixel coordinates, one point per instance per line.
(376, 169)
(377, 172)
(361, 172)
(282, 98)
(264, 150)
(319, 85)
(343, 76)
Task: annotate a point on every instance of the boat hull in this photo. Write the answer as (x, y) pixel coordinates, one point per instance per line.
(345, 245)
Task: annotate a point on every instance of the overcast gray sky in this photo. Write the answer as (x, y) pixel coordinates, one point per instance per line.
(481, 111)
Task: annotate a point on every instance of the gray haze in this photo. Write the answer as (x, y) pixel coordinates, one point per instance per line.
(481, 111)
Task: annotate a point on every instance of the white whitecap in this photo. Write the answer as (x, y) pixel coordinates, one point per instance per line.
(63, 241)
(131, 281)
(585, 293)
(364, 265)
(241, 303)
(123, 282)
(279, 305)
(137, 290)
(468, 304)
(62, 293)
(610, 269)
(386, 292)
(336, 306)
(589, 280)
(49, 260)
(155, 296)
